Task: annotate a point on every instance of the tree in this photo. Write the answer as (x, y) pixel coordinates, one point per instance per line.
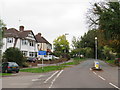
(108, 52)
(105, 17)
(61, 44)
(13, 55)
(1, 32)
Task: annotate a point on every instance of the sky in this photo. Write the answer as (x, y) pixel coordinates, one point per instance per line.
(51, 18)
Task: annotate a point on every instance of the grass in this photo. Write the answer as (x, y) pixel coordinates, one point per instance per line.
(77, 60)
(110, 61)
(69, 63)
(5, 74)
(52, 68)
(45, 69)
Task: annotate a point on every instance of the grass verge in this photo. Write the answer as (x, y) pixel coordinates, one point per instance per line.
(69, 63)
(77, 60)
(5, 74)
(45, 69)
(110, 61)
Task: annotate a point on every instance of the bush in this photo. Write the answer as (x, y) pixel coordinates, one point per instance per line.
(14, 55)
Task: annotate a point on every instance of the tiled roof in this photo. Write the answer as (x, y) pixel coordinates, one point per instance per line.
(41, 39)
(12, 32)
(24, 33)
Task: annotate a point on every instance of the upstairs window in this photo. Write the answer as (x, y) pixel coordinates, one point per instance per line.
(32, 43)
(10, 40)
(24, 42)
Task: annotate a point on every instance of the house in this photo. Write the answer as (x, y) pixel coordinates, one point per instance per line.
(43, 44)
(26, 41)
(23, 39)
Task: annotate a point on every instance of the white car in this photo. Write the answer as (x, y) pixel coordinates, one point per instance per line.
(56, 57)
(50, 57)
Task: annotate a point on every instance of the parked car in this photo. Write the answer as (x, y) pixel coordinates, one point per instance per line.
(50, 57)
(10, 67)
(31, 59)
(56, 57)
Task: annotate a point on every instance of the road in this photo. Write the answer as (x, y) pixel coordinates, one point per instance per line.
(79, 76)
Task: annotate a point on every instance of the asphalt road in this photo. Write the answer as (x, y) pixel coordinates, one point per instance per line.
(80, 76)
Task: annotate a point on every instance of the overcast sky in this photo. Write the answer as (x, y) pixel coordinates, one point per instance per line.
(49, 17)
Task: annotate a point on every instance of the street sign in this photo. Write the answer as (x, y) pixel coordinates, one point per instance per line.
(96, 64)
(41, 52)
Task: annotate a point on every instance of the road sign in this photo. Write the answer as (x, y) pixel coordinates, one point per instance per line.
(41, 52)
(96, 64)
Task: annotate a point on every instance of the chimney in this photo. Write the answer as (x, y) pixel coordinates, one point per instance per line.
(4, 28)
(21, 28)
(39, 34)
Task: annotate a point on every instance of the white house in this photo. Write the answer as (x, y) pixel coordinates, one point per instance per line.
(42, 43)
(26, 41)
(22, 39)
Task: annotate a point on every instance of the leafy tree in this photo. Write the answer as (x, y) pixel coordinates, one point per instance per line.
(105, 17)
(61, 44)
(1, 32)
(108, 52)
(13, 55)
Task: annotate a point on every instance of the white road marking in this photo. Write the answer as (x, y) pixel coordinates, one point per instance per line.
(55, 78)
(35, 80)
(101, 77)
(114, 86)
(90, 69)
(50, 77)
(95, 73)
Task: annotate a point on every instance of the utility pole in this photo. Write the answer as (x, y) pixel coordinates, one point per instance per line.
(96, 48)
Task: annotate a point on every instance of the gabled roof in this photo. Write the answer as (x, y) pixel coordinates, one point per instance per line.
(12, 32)
(41, 39)
(24, 33)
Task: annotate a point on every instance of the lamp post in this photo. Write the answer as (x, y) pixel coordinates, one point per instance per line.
(65, 38)
(96, 48)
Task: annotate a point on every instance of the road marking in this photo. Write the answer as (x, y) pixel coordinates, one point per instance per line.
(95, 73)
(35, 79)
(55, 78)
(50, 77)
(101, 77)
(114, 85)
(90, 69)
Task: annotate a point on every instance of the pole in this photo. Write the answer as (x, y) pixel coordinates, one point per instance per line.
(96, 48)
(42, 63)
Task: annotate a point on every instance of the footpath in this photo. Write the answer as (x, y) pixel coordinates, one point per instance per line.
(40, 65)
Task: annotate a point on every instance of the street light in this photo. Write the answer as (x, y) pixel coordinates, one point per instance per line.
(66, 39)
(96, 48)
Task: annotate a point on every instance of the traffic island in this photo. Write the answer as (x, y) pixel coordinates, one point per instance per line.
(95, 69)
(96, 66)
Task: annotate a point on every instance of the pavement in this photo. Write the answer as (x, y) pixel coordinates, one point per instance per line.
(40, 65)
(79, 76)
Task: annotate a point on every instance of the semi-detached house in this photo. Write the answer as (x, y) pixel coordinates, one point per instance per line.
(25, 40)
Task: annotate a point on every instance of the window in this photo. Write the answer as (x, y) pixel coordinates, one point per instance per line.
(9, 40)
(31, 43)
(31, 54)
(24, 53)
(24, 42)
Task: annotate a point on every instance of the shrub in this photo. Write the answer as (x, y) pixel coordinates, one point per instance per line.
(13, 55)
